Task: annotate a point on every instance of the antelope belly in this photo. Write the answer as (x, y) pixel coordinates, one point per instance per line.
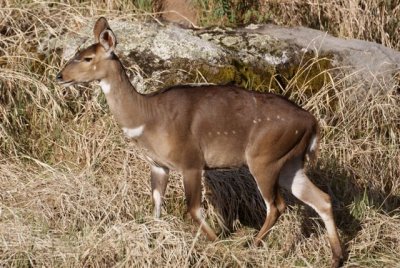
(226, 155)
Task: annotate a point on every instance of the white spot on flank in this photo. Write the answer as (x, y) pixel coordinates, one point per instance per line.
(105, 86)
(259, 119)
(225, 132)
(133, 132)
(278, 117)
(158, 170)
(254, 121)
(233, 132)
(297, 132)
(268, 119)
(218, 133)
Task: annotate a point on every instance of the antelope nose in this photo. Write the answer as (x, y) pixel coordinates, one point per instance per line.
(59, 77)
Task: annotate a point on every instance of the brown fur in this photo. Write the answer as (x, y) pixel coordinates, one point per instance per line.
(191, 129)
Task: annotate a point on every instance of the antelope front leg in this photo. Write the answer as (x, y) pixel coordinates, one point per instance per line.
(192, 185)
(159, 181)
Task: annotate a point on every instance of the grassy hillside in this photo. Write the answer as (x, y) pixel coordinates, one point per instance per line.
(74, 193)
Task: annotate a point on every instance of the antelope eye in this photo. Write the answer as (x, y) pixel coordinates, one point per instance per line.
(87, 59)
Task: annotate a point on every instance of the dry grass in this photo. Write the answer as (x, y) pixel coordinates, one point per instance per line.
(73, 193)
(370, 20)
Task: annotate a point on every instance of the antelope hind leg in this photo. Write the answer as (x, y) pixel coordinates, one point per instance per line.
(294, 179)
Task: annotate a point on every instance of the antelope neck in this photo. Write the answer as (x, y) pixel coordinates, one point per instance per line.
(126, 104)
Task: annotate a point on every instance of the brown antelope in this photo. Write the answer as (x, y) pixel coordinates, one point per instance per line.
(190, 129)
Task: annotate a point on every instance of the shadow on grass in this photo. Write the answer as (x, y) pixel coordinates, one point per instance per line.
(234, 195)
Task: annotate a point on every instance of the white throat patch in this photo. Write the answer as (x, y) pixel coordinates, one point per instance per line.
(105, 86)
(133, 132)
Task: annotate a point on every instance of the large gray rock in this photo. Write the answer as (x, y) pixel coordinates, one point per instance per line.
(257, 56)
(370, 63)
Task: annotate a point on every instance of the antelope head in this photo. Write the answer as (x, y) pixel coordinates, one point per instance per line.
(91, 63)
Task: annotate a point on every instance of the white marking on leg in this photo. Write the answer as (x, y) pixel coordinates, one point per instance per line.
(133, 132)
(158, 170)
(199, 215)
(313, 144)
(299, 185)
(105, 86)
(265, 202)
(157, 203)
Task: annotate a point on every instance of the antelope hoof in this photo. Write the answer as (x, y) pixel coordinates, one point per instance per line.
(337, 262)
(257, 243)
(212, 237)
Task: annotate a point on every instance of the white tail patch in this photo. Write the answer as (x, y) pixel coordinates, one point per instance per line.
(105, 86)
(133, 132)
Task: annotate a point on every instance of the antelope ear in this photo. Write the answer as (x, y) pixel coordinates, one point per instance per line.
(100, 25)
(108, 40)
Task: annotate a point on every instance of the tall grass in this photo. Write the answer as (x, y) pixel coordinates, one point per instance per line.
(73, 192)
(371, 20)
